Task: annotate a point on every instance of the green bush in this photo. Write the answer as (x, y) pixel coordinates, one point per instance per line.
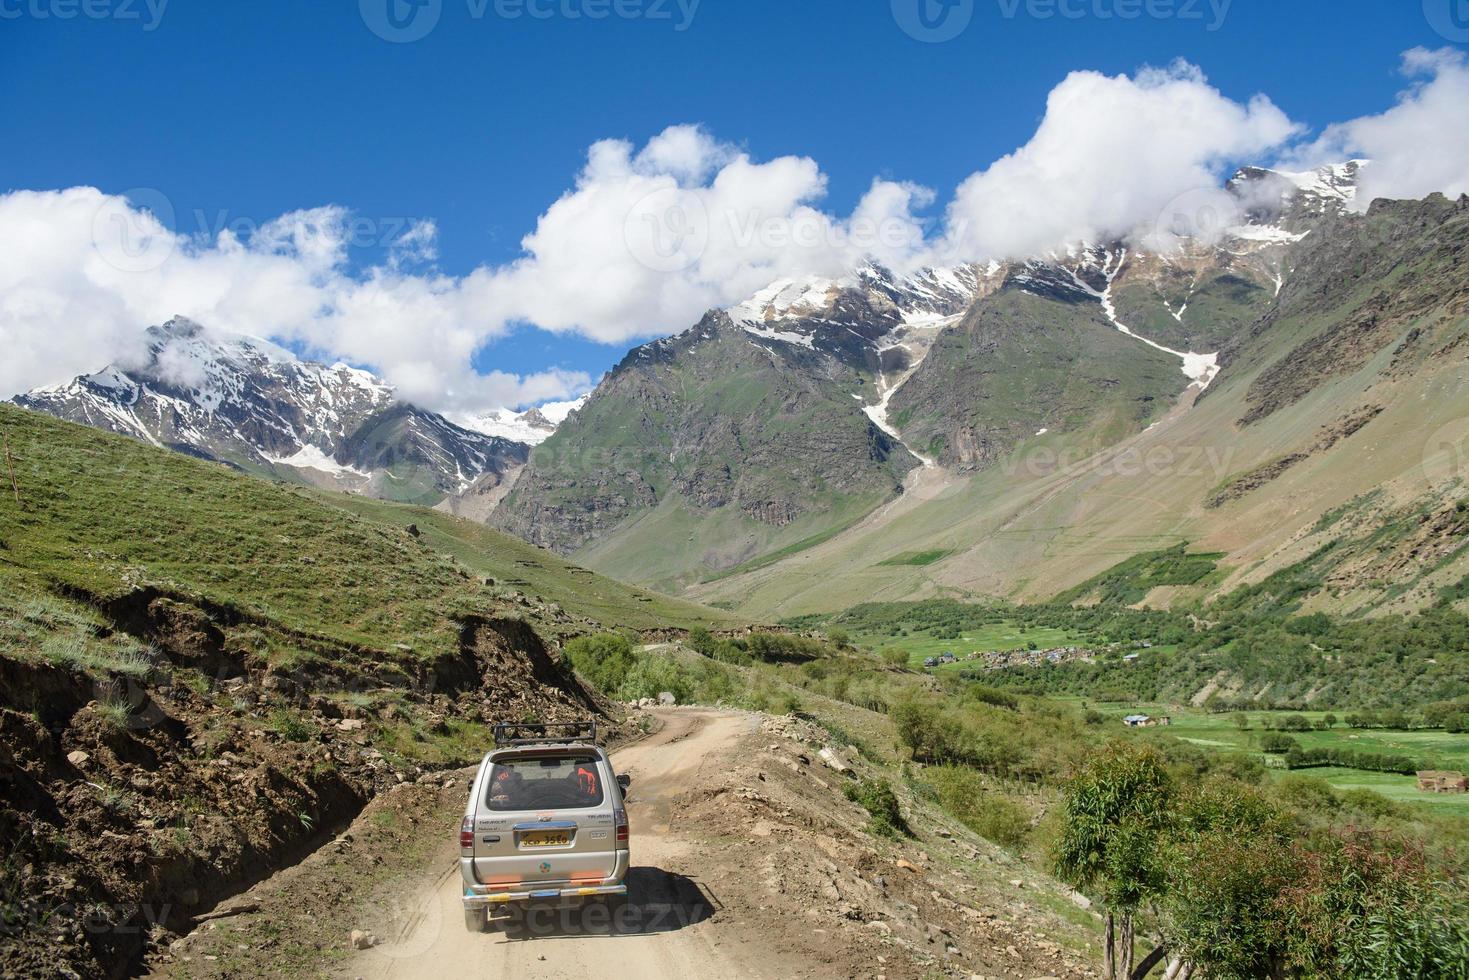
(994, 696)
(878, 799)
(1277, 744)
(604, 659)
(651, 676)
(292, 726)
(962, 792)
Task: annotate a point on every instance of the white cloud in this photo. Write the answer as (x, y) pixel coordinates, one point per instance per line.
(1107, 159)
(649, 238)
(86, 272)
(1420, 145)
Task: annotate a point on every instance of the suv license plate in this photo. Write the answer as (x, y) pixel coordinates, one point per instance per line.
(545, 838)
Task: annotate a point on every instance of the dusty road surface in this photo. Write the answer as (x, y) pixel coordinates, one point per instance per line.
(749, 861)
(669, 928)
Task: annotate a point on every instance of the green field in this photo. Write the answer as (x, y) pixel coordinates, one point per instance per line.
(1436, 749)
(1400, 789)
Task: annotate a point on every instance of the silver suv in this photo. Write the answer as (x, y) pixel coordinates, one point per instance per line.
(545, 822)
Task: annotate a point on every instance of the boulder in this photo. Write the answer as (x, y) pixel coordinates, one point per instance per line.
(834, 760)
(666, 697)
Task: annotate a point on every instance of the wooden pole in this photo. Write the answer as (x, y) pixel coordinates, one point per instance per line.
(10, 465)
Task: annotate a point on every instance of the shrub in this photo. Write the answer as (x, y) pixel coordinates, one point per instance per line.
(1278, 744)
(878, 799)
(895, 657)
(292, 727)
(115, 710)
(604, 659)
(1298, 758)
(650, 676)
(991, 815)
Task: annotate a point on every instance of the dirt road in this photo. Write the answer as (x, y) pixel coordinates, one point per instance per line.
(749, 861)
(667, 929)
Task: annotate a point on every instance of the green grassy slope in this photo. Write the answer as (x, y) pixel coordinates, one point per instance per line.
(102, 518)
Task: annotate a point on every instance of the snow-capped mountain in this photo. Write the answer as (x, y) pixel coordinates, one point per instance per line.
(851, 316)
(1293, 201)
(778, 412)
(532, 426)
(256, 406)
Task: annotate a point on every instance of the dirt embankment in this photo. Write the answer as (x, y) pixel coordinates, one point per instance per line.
(748, 861)
(133, 800)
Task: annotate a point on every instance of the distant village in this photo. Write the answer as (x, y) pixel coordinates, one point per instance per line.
(1005, 659)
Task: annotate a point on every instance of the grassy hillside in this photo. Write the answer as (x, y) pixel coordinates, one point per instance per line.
(1019, 363)
(102, 518)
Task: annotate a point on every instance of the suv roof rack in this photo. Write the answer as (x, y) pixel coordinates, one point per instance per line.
(509, 733)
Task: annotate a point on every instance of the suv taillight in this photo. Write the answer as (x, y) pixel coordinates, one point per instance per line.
(466, 834)
(621, 817)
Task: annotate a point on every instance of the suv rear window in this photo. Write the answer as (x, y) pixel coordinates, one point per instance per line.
(563, 782)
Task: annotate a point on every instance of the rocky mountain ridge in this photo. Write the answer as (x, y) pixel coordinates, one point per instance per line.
(256, 406)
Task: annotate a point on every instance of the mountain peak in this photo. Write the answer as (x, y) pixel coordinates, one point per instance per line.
(254, 405)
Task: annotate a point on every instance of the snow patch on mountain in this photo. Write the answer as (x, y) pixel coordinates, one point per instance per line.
(310, 457)
(1201, 369)
(784, 336)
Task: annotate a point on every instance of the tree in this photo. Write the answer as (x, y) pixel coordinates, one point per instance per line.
(1114, 815)
(839, 638)
(1277, 743)
(1241, 721)
(1393, 718)
(1228, 865)
(702, 641)
(1368, 906)
(604, 659)
(1328, 720)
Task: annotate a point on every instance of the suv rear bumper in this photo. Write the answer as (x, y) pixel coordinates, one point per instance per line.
(477, 895)
(482, 897)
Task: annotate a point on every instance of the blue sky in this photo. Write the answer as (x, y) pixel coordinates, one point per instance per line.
(251, 109)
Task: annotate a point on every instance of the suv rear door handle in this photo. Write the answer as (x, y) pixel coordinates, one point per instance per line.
(491, 839)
